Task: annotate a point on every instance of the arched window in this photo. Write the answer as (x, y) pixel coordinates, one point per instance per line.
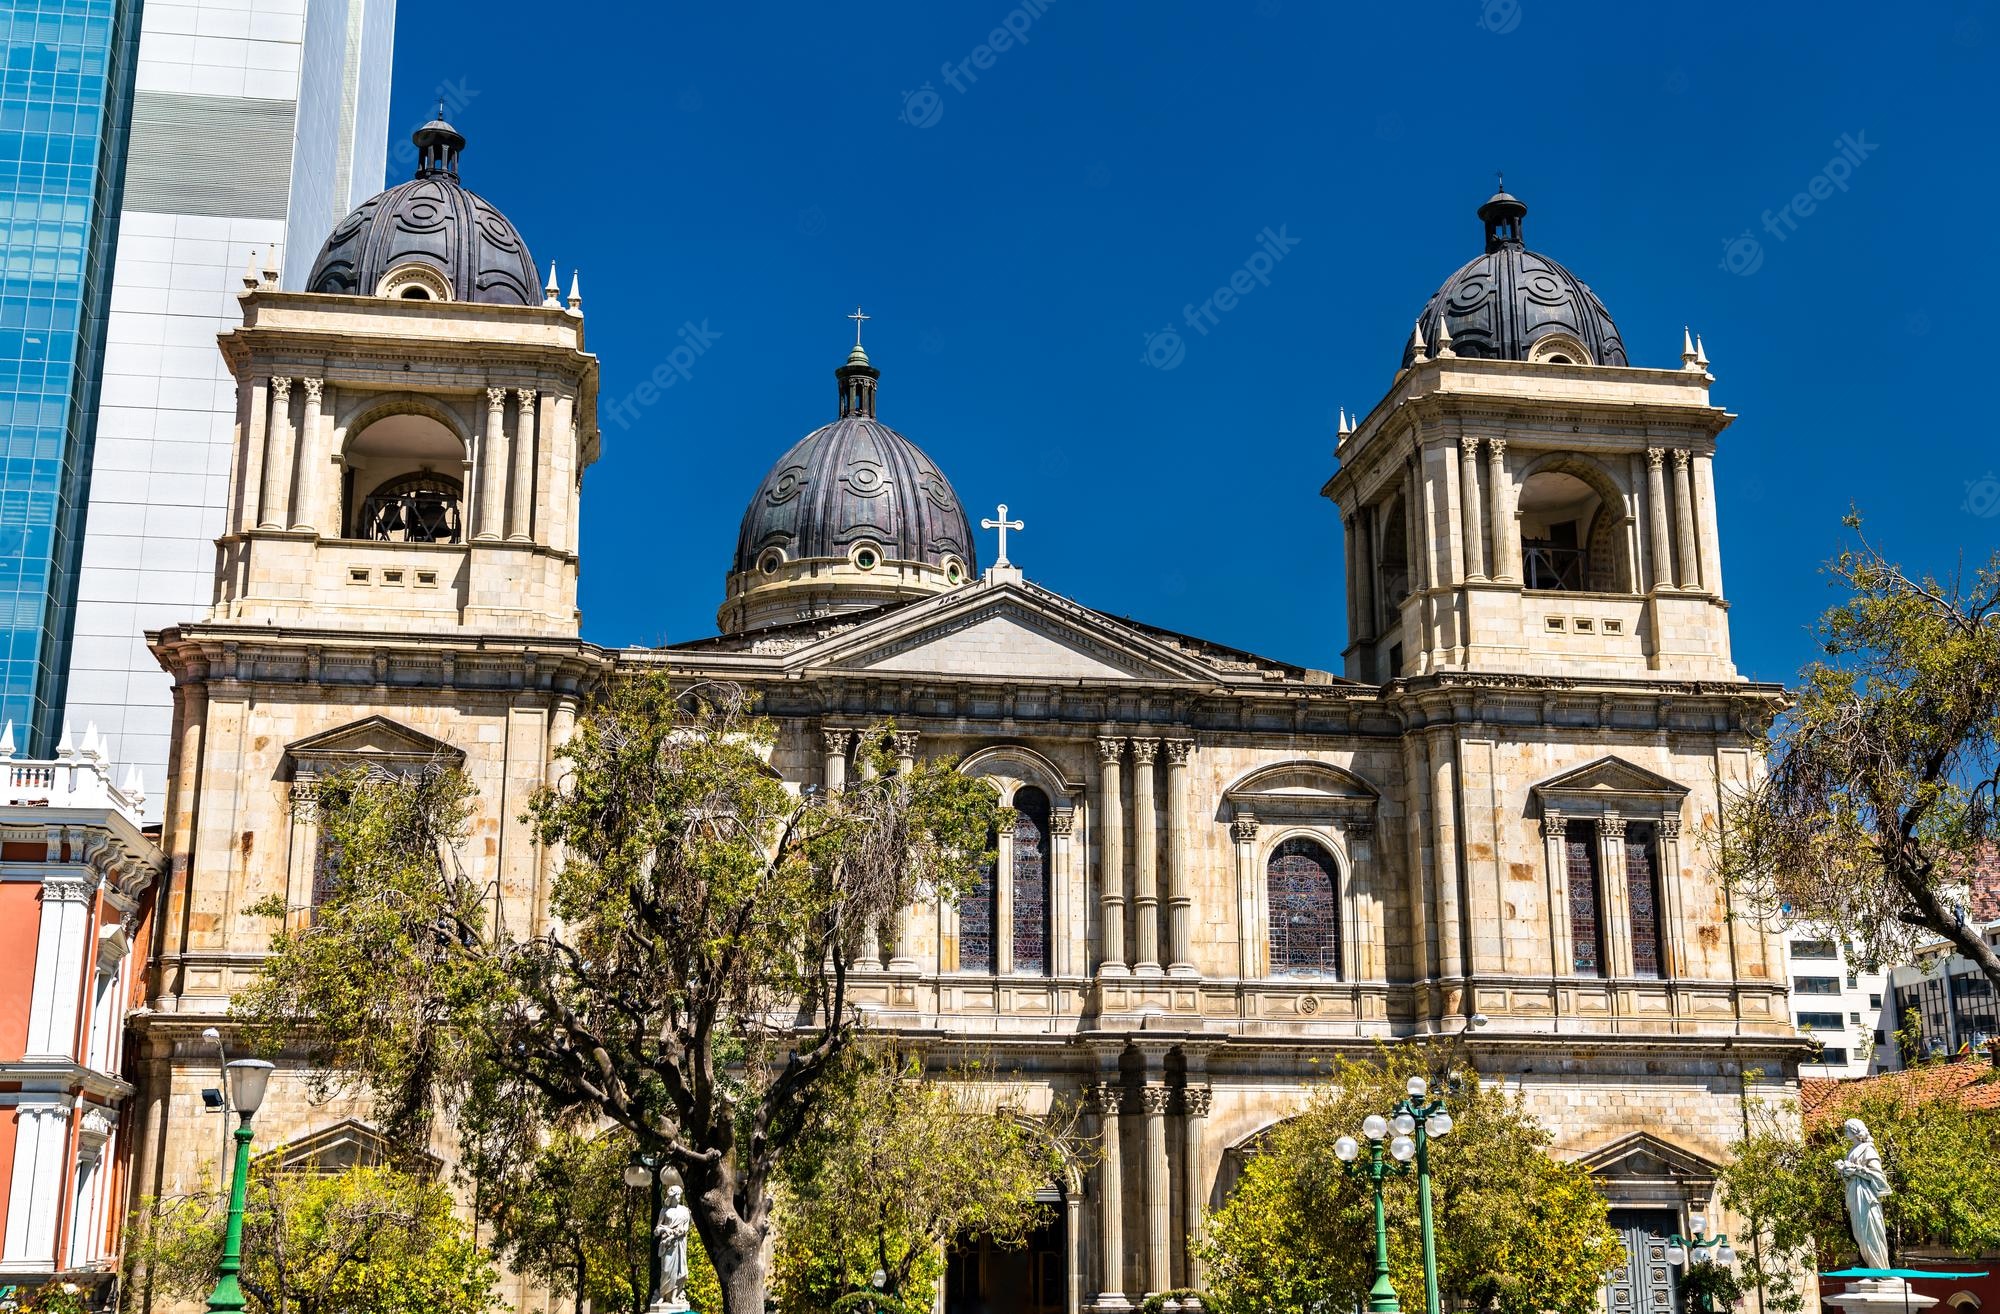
(424, 507)
(977, 915)
(1570, 539)
(1305, 910)
(1031, 880)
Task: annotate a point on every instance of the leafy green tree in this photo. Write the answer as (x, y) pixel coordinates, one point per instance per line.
(364, 1241)
(693, 987)
(566, 1218)
(1517, 1231)
(898, 1167)
(1943, 1163)
(1880, 801)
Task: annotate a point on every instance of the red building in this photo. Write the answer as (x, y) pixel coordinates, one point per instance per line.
(77, 874)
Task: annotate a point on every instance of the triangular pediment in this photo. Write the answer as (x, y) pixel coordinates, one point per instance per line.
(1004, 633)
(373, 740)
(1611, 777)
(347, 1144)
(1644, 1157)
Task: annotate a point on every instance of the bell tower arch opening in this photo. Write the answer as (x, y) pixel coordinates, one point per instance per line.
(403, 481)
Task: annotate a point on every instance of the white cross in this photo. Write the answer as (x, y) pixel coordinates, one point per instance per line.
(857, 317)
(1003, 524)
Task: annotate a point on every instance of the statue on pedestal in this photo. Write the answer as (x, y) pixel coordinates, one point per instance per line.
(670, 1235)
(1867, 1185)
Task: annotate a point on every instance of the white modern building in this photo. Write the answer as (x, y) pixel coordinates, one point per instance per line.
(252, 121)
(1947, 998)
(1847, 1009)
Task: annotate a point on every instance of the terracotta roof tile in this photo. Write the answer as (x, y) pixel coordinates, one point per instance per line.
(1975, 1084)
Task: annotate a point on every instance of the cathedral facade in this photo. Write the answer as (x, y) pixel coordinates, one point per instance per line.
(1222, 868)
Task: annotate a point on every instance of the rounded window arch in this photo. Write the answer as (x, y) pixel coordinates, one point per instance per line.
(1031, 880)
(1303, 895)
(1572, 518)
(402, 480)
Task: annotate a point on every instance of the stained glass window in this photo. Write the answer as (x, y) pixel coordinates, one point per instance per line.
(1586, 931)
(1305, 910)
(1031, 880)
(976, 918)
(1642, 891)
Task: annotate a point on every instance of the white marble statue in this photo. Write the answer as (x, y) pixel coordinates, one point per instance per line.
(670, 1234)
(1867, 1186)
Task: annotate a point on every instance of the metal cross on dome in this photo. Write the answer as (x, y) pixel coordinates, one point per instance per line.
(858, 318)
(1003, 524)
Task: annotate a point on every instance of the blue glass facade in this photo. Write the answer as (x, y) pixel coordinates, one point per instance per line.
(65, 112)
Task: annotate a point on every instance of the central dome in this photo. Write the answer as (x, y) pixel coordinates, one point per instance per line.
(429, 238)
(853, 516)
(1510, 303)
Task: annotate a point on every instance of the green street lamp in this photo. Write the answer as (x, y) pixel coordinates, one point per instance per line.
(646, 1170)
(246, 1080)
(1698, 1252)
(1424, 1118)
(1382, 1295)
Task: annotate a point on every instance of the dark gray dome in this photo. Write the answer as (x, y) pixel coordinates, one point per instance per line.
(434, 222)
(856, 480)
(1505, 300)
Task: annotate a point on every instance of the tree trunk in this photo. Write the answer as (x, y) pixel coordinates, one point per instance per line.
(742, 1278)
(735, 1244)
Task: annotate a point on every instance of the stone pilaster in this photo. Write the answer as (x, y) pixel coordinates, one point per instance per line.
(1252, 951)
(1690, 566)
(521, 490)
(1468, 501)
(305, 509)
(1111, 856)
(1658, 547)
(274, 511)
(1554, 831)
(1108, 1104)
(1158, 1097)
(1506, 529)
(1194, 1179)
(1063, 929)
(493, 468)
(1180, 884)
(1145, 861)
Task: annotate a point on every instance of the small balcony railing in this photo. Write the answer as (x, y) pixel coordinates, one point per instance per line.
(1558, 569)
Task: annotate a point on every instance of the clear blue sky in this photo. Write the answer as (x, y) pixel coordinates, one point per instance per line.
(757, 170)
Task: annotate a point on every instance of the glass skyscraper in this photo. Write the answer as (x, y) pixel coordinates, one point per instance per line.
(65, 112)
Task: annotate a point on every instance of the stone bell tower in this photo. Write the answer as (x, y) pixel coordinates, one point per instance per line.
(412, 430)
(1526, 501)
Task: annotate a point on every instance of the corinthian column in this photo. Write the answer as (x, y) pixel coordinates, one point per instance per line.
(1109, 1104)
(520, 513)
(833, 765)
(1159, 1217)
(1111, 856)
(1690, 576)
(901, 957)
(305, 511)
(1659, 547)
(1500, 489)
(1194, 1179)
(493, 468)
(275, 512)
(1145, 860)
(1468, 499)
(1180, 894)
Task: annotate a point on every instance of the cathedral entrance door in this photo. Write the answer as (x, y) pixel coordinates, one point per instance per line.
(982, 1278)
(1644, 1283)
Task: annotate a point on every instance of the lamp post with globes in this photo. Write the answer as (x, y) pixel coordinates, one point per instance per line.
(642, 1171)
(1423, 1117)
(1697, 1253)
(246, 1080)
(1377, 1169)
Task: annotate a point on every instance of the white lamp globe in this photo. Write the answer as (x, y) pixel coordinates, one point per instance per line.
(1676, 1255)
(246, 1079)
(1403, 1124)
(1417, 1087)
(638, 1176)
(1402, 1148)
(1438, 1124)
(1725, 1253)
(1375, 1126)
(1346, 1149)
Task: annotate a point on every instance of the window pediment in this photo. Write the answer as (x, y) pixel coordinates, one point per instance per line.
(1644, 1157)
(1609, 780)
(373, 741)
(1302, 790)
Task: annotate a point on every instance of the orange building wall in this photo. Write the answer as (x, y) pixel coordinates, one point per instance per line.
(20, 928)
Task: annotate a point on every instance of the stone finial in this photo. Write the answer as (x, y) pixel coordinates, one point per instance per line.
(271, 267)
(251, 278)
(1419, 353)
(1687, 348)
(1444, 351)
(1342, 430)
(93, 743)
(576, 291)
(552, 290)
(1700, 355)
(65, 746)
(7, 748)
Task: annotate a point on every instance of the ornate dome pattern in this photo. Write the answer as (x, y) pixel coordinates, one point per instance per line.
(855, 482)
(432, 222)
(1503, 302)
